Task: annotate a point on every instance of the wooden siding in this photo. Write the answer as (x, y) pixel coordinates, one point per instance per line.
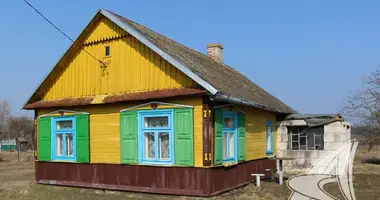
(105, 29)
(163, 180)
(255, 132)
(131, 67)
(105, 128)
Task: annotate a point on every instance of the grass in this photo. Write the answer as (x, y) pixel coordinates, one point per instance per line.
(17, 182)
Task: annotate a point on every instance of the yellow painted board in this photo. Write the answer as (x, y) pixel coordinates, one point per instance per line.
(131, 67)
(255, 132)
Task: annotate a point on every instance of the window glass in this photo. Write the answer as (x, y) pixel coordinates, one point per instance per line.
(225, 144)
(69, 144)
(268, 138)
(149, 145)
(232, 144)
(107, 51)
(310, 141)
(163, 143)
(319, 142)
(228, 122)
(156, 122)
(64, 124)
(59, 144)
(295, 137)
(302, 132)
(295, 146)
(302, 143)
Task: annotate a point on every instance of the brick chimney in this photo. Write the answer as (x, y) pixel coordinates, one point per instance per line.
(215, 51)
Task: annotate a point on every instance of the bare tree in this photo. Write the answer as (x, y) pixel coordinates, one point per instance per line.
(4, 115)
(363, 106)
(20, 126)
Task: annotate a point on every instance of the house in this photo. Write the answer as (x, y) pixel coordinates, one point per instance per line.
(14, 144)
(127, 108)
(309, 137)
(8, 145)
(22, 144)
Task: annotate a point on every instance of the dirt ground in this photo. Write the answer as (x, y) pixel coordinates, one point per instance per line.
(17, 182)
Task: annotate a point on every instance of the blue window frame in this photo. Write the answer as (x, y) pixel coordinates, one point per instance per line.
(155, 137)
(63, 130)
(229, 136)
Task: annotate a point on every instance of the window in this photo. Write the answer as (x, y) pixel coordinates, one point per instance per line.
(229, 136)
(63, 142)
(107, 51)
(302, 138)
(269, 138)
(155, 135)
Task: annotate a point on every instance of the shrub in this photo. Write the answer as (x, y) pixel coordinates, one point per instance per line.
(374, 161)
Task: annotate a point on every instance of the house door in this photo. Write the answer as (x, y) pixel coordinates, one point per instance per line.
(269, 138)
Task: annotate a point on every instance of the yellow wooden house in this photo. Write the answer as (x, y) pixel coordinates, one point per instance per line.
(126, 108)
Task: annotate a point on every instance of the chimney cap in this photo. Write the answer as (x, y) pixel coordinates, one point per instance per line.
(215, 45)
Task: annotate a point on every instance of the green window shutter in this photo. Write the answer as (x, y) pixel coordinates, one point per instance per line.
(44, 139)
(128, 137)
(218, 135)
(183, 134)
(241, 137)
(82, 138)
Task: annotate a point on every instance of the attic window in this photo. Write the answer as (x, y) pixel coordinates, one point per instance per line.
(107, 51)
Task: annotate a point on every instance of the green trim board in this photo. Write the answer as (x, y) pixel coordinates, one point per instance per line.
(184, 137)
(128, 137)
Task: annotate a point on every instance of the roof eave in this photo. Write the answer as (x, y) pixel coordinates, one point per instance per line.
(239, 101)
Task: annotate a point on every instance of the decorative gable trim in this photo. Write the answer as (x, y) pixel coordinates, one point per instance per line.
(163, 54)
(64, 111)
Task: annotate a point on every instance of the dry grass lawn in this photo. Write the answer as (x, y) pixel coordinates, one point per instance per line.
(17, 182)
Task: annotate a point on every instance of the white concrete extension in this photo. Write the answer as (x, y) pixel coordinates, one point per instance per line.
(334, 134)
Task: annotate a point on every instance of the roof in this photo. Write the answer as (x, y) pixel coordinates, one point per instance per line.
(22, 139)
(313, 120)
(215, 77)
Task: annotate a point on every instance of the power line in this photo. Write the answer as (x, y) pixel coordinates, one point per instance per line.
(63, 33)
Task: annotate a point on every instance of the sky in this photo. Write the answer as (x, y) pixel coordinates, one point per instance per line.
(309, 54)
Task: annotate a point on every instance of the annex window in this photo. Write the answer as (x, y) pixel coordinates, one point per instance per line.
(302, 138)
(107, 51)
(63, 142)
(229, 136)
(156, 136)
